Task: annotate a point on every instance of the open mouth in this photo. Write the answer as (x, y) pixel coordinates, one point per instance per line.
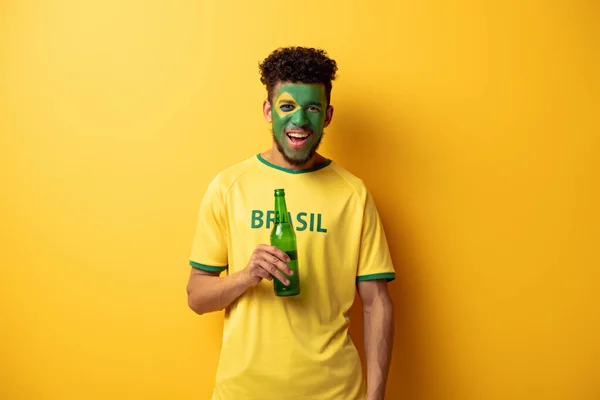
(297, 139)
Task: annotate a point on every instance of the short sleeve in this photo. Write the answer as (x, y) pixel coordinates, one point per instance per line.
(375, 261)
(209, 246)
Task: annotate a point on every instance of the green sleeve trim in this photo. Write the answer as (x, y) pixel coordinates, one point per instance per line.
(389, 276)
(209, 268)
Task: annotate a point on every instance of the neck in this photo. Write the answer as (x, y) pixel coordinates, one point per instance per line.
(275, 157)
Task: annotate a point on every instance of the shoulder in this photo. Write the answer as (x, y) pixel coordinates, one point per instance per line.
(226, 178)
(353, 181)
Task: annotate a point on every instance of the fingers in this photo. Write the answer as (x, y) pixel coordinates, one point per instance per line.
(273, 270)
(276, 257)
(274, 251)
(268, 262)
(279, 264)
(263, 274)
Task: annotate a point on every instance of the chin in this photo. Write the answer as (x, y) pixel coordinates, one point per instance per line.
(291, 156)
(298, 162)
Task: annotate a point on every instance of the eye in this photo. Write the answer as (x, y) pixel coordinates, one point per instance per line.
(286, 107)
(313, 109)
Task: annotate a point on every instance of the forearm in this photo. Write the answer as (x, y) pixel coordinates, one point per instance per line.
(378, 340)
(212, 293)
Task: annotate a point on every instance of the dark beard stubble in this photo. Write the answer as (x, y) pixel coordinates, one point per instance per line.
(294, 161)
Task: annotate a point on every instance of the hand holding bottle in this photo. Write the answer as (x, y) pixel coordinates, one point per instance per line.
(267, 262)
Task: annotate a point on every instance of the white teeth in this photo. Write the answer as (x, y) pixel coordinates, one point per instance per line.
(297, 135)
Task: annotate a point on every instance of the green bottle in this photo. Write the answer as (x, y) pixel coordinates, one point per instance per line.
(284, 238)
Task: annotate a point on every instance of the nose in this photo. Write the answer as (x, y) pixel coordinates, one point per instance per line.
(299, 118)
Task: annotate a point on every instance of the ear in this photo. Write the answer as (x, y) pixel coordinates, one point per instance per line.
(267, 110)
(328, 116)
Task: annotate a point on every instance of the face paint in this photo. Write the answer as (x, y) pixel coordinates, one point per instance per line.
(298, 112)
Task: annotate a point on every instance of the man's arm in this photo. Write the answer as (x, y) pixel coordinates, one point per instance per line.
(378, 315)
(208, 292)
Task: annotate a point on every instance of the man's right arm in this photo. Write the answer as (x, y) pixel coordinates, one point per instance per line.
(208, 292)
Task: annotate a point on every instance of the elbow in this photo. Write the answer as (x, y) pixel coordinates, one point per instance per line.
(195, 302)
(199, 299)
(194, 305)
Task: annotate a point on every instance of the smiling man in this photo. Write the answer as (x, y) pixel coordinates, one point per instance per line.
(297, 347)
(301, 113)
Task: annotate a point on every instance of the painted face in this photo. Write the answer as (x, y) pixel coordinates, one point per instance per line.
(298, 112)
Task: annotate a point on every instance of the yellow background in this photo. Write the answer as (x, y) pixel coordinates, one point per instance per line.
(474, 125)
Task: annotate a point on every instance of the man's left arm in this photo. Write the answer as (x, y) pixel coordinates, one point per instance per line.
(378, 316)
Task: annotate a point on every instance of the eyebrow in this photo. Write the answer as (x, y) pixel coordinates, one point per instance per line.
(290, 101)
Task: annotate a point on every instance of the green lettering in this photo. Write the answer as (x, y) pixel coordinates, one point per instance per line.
(302, 227)
(257, 219)
(319, 229)
(270, 218)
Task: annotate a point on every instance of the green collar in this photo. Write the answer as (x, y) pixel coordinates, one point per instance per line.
(294, 171)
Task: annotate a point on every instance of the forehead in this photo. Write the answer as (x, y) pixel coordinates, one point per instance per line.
(301, 91)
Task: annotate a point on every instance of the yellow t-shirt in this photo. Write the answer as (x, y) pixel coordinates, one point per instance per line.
(291, 348)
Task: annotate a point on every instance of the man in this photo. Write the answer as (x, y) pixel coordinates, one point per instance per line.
(298, 347)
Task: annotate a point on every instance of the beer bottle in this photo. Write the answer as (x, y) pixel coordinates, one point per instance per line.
(284, 238)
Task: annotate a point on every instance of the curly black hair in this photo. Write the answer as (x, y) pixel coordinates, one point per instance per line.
(298, 65)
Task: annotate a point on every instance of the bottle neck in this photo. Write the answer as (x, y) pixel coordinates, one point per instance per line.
(281, 214)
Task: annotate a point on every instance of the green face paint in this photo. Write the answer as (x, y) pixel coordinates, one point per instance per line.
(298, 112)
